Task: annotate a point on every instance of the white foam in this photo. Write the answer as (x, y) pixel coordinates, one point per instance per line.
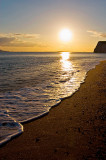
(9, 128)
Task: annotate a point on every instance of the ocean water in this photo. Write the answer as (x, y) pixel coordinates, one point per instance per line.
(32, 83)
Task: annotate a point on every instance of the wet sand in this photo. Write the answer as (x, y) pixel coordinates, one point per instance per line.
(73, 130)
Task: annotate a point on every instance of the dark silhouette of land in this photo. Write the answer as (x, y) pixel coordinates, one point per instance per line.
(101, 47)
(2, 51)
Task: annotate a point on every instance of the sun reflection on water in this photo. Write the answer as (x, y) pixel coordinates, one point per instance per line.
(66, 64)
(65, 55)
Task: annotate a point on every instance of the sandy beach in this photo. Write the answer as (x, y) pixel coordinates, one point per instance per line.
(73, 130)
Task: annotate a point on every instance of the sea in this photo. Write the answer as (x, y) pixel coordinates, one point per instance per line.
(32, 83)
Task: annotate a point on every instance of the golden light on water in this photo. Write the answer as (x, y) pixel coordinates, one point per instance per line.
(65, 55)
(66, 64)
(65, 35)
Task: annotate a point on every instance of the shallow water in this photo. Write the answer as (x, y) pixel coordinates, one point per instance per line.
(31, 83)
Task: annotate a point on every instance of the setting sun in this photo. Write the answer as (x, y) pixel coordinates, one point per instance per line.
(65, 35)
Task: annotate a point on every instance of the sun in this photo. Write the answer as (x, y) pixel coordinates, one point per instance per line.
(65, 35)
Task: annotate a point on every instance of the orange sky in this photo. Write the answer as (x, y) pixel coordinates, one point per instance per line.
(35, 25)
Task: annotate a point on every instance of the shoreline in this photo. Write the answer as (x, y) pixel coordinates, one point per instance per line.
(71, 130)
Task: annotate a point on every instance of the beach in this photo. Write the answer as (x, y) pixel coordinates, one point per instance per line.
(73, 130)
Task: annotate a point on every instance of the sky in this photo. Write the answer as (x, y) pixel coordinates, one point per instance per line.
(34, 25)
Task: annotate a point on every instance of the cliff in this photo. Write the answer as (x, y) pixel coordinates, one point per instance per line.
(101, 47)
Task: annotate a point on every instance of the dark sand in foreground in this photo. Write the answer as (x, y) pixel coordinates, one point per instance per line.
(74, 130)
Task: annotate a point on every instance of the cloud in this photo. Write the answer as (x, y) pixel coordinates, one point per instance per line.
(97, 34)
(6, 40)
(27, 35)
(20, 35)
(19, 40)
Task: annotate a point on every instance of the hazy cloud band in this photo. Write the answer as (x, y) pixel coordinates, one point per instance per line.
(97, 34)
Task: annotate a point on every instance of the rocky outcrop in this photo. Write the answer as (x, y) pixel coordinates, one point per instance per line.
(101, 47)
